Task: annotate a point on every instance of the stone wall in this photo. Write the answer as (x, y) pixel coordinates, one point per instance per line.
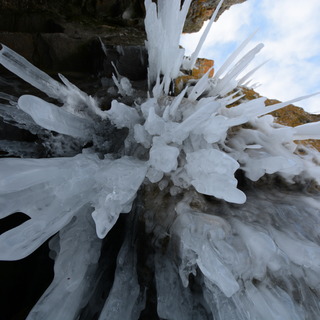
(63, 35)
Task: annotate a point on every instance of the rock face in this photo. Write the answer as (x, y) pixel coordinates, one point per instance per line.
(201, 67)
(63, 35)
(290, 115)
(202, 10)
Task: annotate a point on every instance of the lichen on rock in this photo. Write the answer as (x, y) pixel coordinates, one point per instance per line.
(202, 10)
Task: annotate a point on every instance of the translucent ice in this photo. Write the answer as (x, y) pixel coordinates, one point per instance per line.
(194, 246)
(71, 284)
(164, 26)
(195, 54)
(163, 157)
(120, 180)
(50, 117)
(68, 93)
(50, 191)
(212, 173)
(125, 301)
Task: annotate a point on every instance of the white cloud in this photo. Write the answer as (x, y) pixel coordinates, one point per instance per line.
(290, 30)
(228, 29)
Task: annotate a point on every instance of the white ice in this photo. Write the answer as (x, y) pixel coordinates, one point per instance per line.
(51, 117)
(231, 255)
(74, 269)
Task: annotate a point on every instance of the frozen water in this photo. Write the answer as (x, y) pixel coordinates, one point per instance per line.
(50, 191)
(190, 64)
(120, 180)
(195, 245)
(212, 173)
(122, 115)
(73, 97)
(164, 26)
(49, 116)
(71, 284)
(125, 300)
(163, 157)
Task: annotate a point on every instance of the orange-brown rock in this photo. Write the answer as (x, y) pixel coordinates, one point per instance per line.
(289, 116)
(202, 66)
(202, 10)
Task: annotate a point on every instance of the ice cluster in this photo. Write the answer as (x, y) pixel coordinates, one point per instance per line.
(253, 256)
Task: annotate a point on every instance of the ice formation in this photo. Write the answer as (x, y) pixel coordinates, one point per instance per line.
(244, 255)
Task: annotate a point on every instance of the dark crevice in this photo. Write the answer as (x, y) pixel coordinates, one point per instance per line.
(12, 221)
(24, 281)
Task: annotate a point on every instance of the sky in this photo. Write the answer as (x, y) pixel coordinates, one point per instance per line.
(290, 31)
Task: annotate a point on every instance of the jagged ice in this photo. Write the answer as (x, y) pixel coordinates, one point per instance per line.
(186, 147)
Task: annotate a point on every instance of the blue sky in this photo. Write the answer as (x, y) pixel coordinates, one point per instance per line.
(290, 31)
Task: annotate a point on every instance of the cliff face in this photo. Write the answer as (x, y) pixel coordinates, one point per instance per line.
(202, 10)
(122, 12)
(63, 35)
(290, 115)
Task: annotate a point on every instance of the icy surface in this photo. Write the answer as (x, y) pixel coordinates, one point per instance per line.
(120, 180)
(195, 245)
(48, 116)
(125, 300)
(212, 173)
(51, 191)
(71, 285)
(164, 26)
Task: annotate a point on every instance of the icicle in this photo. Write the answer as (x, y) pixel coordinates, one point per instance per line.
(123, 301)
(171, 110)
(74, 270)
(103, 47)
(195, 54)
(233, 56)
(307, 131)
(51, 117)
(28, 72)
(245, 78)
(164, 27)
(228, 82)
(200, 87)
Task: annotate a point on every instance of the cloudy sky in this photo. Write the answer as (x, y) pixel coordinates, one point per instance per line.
(290, 31)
